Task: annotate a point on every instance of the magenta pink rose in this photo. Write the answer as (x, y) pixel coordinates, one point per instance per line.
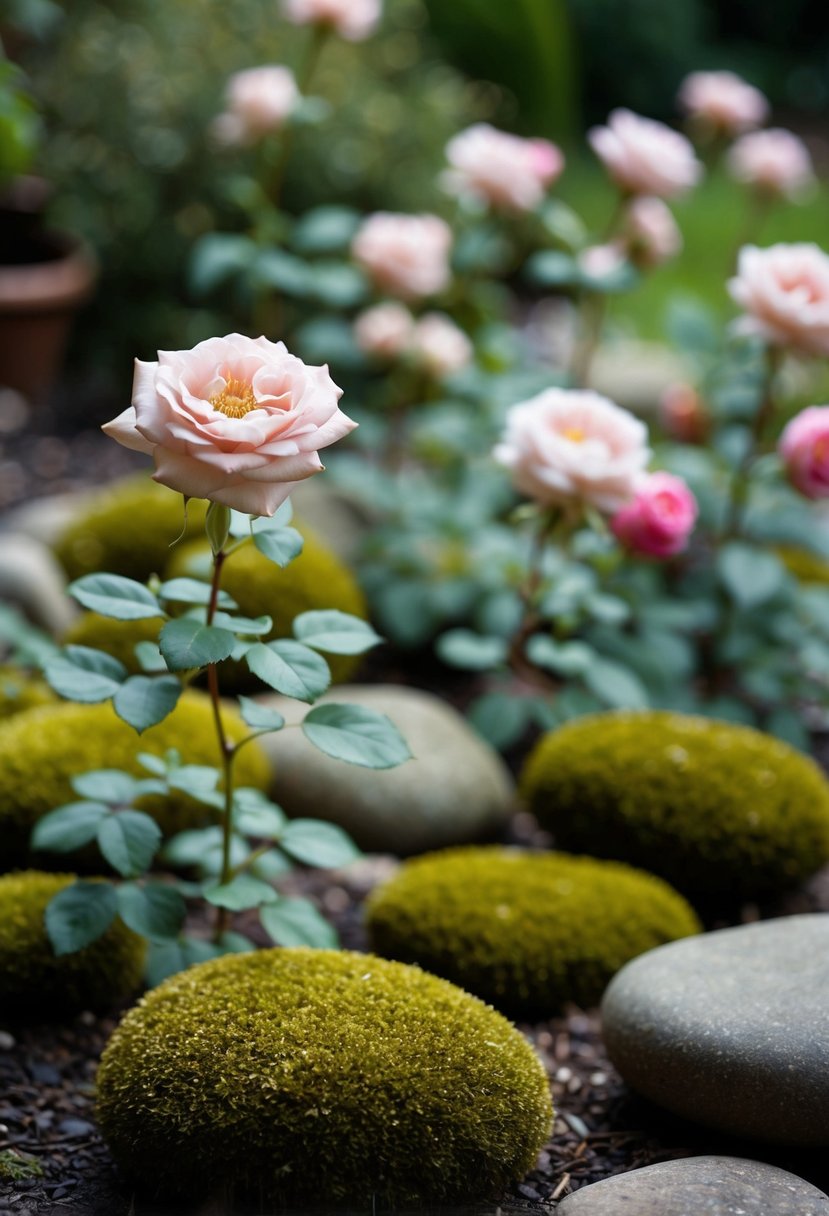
(351, 19)
(405, 255)
(259, 101)
(772, 162)
(804, 450)
(660, 518)
(645, 157)
(574, 446)
(500, 169)
(784, 293)
(237, 420)
(723, 102)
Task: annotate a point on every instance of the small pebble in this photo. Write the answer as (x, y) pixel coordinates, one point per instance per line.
(7, 1041)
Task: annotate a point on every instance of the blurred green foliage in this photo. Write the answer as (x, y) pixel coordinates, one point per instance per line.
(19, 123)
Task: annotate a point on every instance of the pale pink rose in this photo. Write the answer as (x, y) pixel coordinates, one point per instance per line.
(406, 255)
(440, 346)
(773, 162)
(645, 157)
(259, 101)
(598, 261)
(502, 170)
(723, 102)
(659, 519)
(237, 420)
(384, 331)
(683, 414)
(351, 19)
(784, 292)
(804, 450)
(651, 232)
(572, 445)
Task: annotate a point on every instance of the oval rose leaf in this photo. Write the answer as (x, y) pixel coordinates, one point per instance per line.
(69, 827)
(116, 596)
(335, 632)
(258, 716)
(240, 893)
(296, 922)
(143, 701)
(290, 668)
(615, 685)
(248, 626)
(356, 735)
(318, 844)
(111, 786)
(471, 651)
(128, 841)
(156, 911)
(186, 643)
(279, 545)
(750, 576)
(192, 591)
(79, 915)
(82, 674)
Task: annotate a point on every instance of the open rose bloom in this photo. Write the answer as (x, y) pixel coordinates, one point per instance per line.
(804, 450)
(645, 157)
(405, 255)
(773, 162)
(784, 293)
(440, 346)
(574, 446)
(500, 169)
(722, 102)
(650, 232)
(258, 101)
(660, 518)
(236, 420)
(351, 19)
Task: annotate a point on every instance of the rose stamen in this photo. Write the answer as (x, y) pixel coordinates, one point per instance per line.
(574, 433)
(235, 400)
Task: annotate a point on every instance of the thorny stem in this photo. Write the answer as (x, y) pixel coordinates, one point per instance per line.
(226, 748)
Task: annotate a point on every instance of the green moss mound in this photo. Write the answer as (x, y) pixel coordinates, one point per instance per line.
(527, 931)
(806, 566)
(128, 529)
(118, 638)
(19, 690)
(720, 811)
(314, 580)
(319, 1075)
(33, 980)
(41, 749)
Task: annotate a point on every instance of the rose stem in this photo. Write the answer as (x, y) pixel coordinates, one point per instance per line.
(531, 619)
(227, 749)
(593, 306)
(741, 480)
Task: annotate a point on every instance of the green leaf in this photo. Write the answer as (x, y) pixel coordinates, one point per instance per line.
(186, 643)
(616, 685)
(316, 843)
(217, 257)
(549, 268)
(326, 229)
(279, 545)
(335, 632)
(217, 525)
(751, 576)
(249, 626)
(338, 284)
(85, 675)
(296, 922)
(156, 910)
(150, 658)
(108, 785)
(471, 651)
(168, 958)
(564, 658)
(255, 815)
(357, 735)
(69, 827)
(258, 716)
(153, 764)
(270, 865)
(143, 701)
(79, 915)
(128, 841)
(199, 781)
(290, 668)
(609, 609)
(240, 893)
(499, 718)
(192, 591)
(115, 596)
(288, 274)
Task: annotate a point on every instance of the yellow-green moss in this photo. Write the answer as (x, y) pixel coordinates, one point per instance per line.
(718, 810)
(34, 980)
(320, 1075)
(128, 529)
(118, 638)
(41, 749)
(315, 579)
(525, 931)
(806, 566)
(20, 690)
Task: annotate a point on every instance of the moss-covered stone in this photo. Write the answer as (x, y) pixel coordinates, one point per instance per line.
(295, 1075)
(118, 638)
(34, 980)
(716, 809)
(526, 931)
(129, 529)
(19, 690)
(41, 749)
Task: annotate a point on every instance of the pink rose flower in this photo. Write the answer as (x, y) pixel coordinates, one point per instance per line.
(660, 518)
(259, 101)
(351, 19)
(237, 420)
(598, 261)
(804, 450)
(773, 162)
(723, 102)
(651, 232)
(784, 291)
(570, 445)
(502, 170)
(384, 331)
(440, 346)
(406, 255)
(645, 157)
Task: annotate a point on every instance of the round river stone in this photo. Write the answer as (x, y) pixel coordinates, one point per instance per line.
(731, 1029)
(704, 1186)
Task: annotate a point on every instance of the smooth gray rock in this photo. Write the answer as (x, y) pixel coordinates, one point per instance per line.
(731, 1029)
(699, 1186)
(455, 790)
(47, 518)
(32, 580)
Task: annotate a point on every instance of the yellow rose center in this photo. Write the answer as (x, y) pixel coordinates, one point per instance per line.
(235, 400)
(574, 434)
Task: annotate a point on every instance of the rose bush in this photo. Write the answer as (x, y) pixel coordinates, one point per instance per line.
(439, 346)
(236, 420)
(804, 450)
(660, 518)
(784, 293)
(651, 232)
(645, 157)
(405, 255)
(258, 102)
(774, 162)
(500, 169)
(384, 331)
(351, 19)
(723, 102)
